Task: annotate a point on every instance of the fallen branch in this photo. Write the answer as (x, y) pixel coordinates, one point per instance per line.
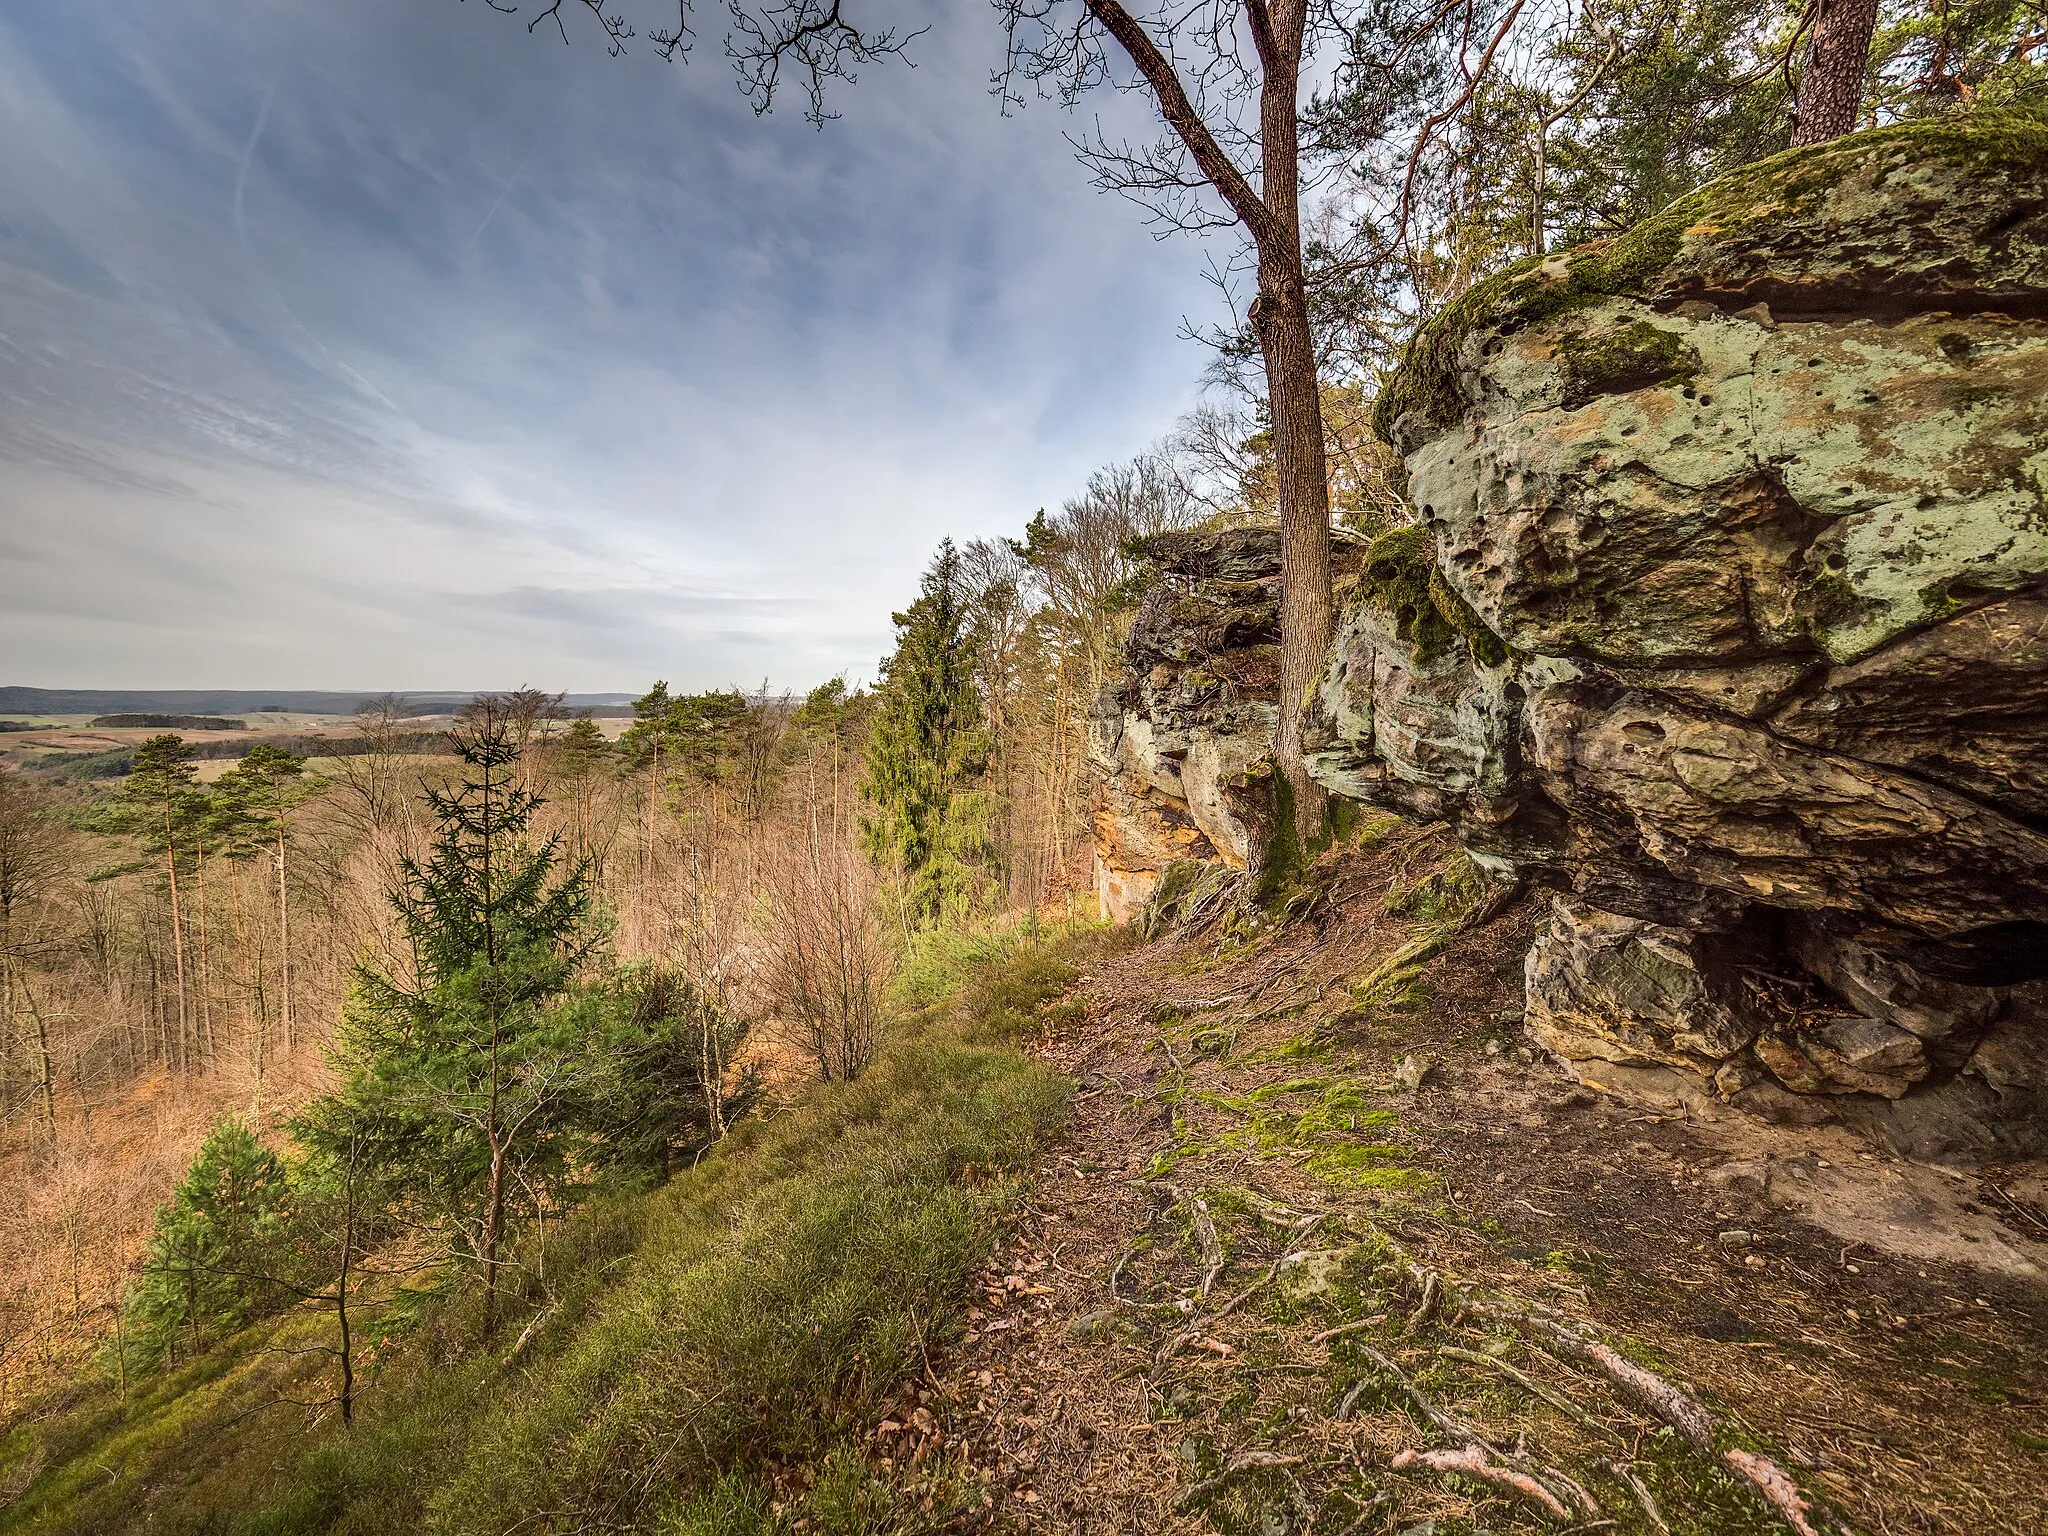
(1248, 1461)
(1470, 1461)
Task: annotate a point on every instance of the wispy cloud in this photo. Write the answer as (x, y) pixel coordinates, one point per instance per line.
(382, 344)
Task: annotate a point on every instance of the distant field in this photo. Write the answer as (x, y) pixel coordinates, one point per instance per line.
(85, 747)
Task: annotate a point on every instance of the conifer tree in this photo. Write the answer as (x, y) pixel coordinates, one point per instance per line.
(458, 1065)
(214, 1244)
(255, 800)
(161, 804)
(929, 817)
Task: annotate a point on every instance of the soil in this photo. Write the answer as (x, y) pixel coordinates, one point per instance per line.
(1879, 1329)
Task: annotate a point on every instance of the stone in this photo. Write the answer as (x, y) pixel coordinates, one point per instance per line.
(1733, 626)
(1605, 987)
(1413, 1070)
(1180, 739)
(1317, 1271)
(1724, 619)
(1845, 1053)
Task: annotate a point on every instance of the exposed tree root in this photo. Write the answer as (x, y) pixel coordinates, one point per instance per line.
(1626, 1474)
(1645, 1389)
(1533, 1387)
(1661, 1400)
(1471, 1461)
(1212, 1246)
(1779, 1491)
(1248, 1461)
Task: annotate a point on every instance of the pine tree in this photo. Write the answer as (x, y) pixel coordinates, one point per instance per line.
(163, 806)
(252, 806)
(929, 819)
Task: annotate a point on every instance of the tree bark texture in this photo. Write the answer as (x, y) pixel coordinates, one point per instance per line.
(1831, 87)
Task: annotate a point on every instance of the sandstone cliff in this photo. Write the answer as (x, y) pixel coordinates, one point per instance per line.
(1723, 621)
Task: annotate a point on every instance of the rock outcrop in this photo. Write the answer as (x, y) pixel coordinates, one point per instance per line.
(1725, 619)
(1181, 741)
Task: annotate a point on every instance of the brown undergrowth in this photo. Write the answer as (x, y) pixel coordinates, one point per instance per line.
(1264, 1285)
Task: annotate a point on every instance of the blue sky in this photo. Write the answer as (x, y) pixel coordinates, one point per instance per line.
(383, 345)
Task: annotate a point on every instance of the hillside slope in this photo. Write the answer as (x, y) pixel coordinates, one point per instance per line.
(1255, 1223)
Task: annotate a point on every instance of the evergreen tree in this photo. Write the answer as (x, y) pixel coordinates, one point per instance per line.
(252, 804)
(661, 1094)
(929, 818)
(162, 806)
(461, 1067)
(214, 1247)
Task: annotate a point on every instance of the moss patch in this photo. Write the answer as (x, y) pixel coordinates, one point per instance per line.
(1401, 579)
(1620, 359)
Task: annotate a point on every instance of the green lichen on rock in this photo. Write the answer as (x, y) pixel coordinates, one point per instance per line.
(1401, 579)
(1772, 216)
(1621, 359)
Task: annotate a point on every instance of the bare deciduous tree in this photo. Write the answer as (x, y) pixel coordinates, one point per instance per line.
(830, 953)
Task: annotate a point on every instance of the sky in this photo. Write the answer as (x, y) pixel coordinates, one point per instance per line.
(386, 345)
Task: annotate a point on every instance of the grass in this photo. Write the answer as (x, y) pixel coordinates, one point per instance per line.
(709, 1357)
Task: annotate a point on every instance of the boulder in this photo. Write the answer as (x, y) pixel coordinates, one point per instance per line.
(1726, 617)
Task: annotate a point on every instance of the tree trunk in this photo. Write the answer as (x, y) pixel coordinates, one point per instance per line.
(211, 1047)
(46, 1077)
(1831, 87)
(1294, 398)
(348, 1248)
(494, 1228)
(177, 934)
(284, 943)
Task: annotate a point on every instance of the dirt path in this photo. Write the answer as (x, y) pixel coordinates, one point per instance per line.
(1248, 1167)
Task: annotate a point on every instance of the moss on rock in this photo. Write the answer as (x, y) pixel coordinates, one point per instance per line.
(1756, 232)
(1624, 358)
(1402, 580)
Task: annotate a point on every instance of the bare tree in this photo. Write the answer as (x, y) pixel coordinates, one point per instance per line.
(368, 775)
(31, 864)
(830, 953)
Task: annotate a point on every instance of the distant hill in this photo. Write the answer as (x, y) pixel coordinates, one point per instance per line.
(169, 722)
(232, 701)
